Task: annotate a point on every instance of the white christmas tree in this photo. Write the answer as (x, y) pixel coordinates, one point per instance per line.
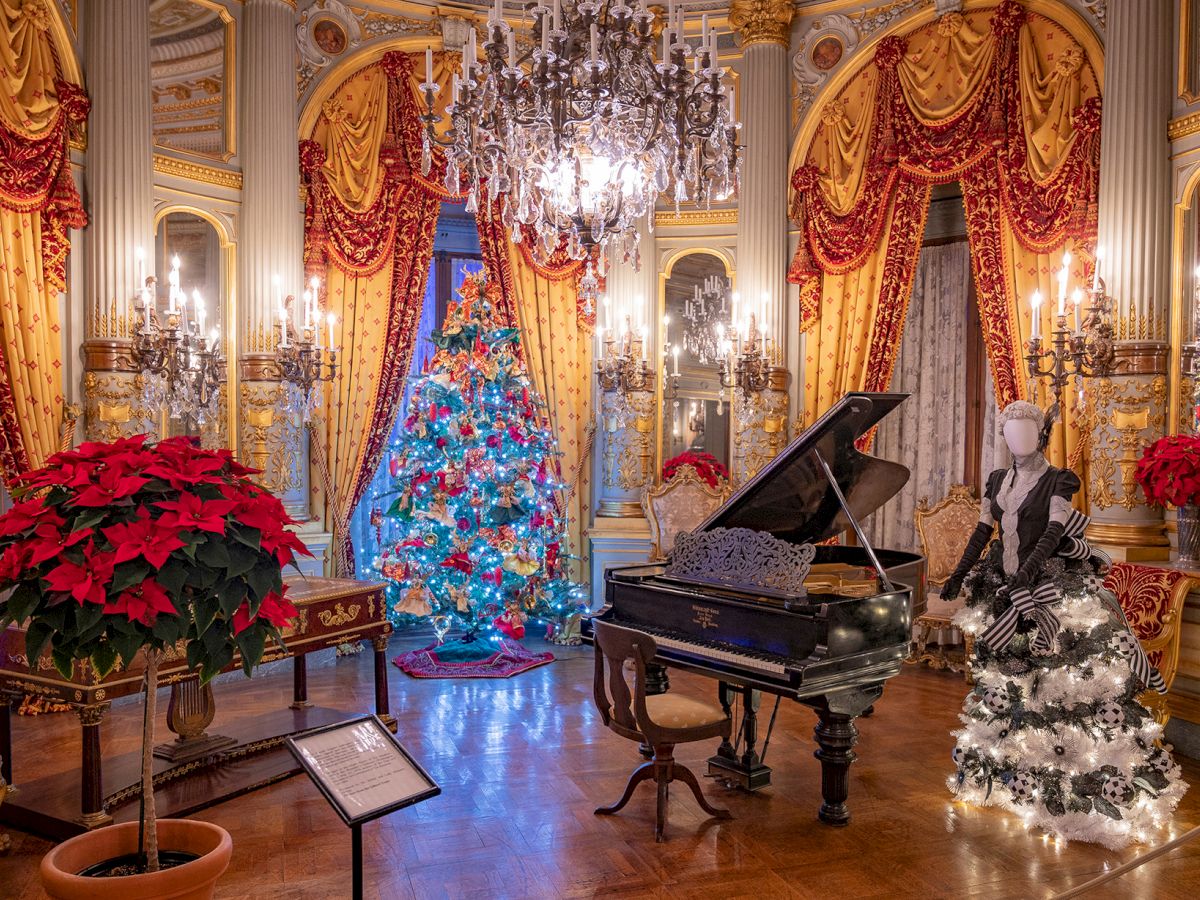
(1059, 738)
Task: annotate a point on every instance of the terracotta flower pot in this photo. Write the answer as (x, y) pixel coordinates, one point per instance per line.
(191, 881)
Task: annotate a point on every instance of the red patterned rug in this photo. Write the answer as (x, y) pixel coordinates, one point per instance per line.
(474, 659)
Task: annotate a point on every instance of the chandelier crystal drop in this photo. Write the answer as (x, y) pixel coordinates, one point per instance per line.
(582, 132)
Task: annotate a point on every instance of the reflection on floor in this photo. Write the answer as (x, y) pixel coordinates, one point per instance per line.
(523, 762)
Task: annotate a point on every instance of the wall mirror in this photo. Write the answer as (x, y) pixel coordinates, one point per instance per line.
(696, 300)
(191, 77)
(1185, 320)
(204, 277)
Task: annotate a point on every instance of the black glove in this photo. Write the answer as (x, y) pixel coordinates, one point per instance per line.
(1032, 567)
(979, 539)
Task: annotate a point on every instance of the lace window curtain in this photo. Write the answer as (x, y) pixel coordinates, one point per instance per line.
(928, 431)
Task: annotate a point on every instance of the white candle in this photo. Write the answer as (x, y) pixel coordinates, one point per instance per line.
(140, 256)
(1077, 299)
(1096, 271)
(146, 307)
(703, 33)
(512, 49)
(666, 50)
(557, 15)
(183, 312)
(1064, 275)
(200, 310)
(429, 65)
(729, 100)
(1036, 304)
(276, 283)
(283, 341)
(594, 49)
(498, 11)
(545, 34)
(675, 354)
(307, 309)
(329, 320)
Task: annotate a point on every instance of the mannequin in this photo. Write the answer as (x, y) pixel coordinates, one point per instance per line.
(1053, 729)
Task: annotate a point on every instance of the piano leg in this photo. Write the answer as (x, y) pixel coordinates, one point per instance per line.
(836, 737)
(745, 771)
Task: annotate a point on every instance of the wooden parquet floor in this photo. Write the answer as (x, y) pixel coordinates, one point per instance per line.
(523, 762)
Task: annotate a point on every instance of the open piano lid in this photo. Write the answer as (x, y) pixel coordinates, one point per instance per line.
(792, 499)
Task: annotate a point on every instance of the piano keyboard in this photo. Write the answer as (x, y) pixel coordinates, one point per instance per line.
(716, 651)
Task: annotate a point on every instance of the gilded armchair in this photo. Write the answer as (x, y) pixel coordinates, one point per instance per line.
(943, 529)
(679, 505)
(1152, 600)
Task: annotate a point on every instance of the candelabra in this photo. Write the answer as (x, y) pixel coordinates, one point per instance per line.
(1086, 351)
(622, 365)
(182, 368)
(304, 364)
(746, 364)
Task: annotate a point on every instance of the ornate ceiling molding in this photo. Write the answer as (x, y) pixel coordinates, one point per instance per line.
(1184, 126)
(761, 21)
(169, 165)
(695, 218)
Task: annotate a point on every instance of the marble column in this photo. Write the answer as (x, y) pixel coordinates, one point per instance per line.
(623, 454)
(1135, 233)
(763, 26)
(119, 182)
(271, 250)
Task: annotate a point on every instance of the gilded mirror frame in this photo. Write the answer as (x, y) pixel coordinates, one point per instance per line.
(228, 279)
(1188, 82)
(1185, 257)
(228, 90)
(664, 275)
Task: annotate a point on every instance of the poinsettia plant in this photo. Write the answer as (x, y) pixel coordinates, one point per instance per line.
(117, 550)
(707, 466)
(1169, 471)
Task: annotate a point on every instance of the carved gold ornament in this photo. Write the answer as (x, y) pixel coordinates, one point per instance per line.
(761, 21)
(1126, 414)
(339, 615)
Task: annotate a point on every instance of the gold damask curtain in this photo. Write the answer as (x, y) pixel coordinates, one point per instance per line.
(369, 227)
(38, 204)
(1002, 100)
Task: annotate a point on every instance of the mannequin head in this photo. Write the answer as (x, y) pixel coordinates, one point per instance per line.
(1021, 424)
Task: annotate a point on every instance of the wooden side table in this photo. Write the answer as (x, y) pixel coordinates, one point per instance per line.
(250, 755)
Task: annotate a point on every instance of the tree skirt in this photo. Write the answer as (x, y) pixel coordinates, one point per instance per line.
(473, 659)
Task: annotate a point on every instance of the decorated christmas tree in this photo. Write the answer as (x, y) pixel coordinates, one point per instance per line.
(477, 506)
(1053, 731)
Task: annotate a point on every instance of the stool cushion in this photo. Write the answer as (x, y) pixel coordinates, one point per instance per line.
(676, 711)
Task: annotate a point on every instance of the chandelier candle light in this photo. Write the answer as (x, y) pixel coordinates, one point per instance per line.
(703, 312)
(304, 364)
(1087, 350)
(621, 363)
(182, 367)
(582, 132)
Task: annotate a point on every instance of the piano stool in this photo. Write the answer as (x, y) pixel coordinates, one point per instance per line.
(661, 720)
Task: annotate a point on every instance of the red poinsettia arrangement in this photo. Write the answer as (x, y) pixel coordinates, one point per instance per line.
(117, 549)
(1169, 471)
(707, 466)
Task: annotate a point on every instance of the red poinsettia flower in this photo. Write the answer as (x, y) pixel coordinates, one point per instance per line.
(189, 512)
(26, 516)
(13, 562)
(264, 512)
(111, 485)
(87, 581)
(144, 537)
(143, 602)
(277, 609)
(49, 542)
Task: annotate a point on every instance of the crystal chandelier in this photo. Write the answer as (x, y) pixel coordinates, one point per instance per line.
(304, 364)
(182, 367)
(703, 312)
(582, 132)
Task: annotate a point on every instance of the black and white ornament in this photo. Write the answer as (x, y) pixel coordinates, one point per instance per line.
(958, 756)
(1022, 787)
(1161, 760)
(995, 699)
(1123, 642)
(1118, 790)
(1109, 714)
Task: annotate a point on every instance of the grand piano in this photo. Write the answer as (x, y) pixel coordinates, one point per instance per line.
(753, 599)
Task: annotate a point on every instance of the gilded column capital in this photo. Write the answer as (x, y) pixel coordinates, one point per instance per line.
(761, 21)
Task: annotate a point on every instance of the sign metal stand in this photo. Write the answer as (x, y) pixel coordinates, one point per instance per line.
(364, 773)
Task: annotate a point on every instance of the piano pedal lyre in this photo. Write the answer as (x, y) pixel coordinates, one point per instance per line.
(743, 770)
